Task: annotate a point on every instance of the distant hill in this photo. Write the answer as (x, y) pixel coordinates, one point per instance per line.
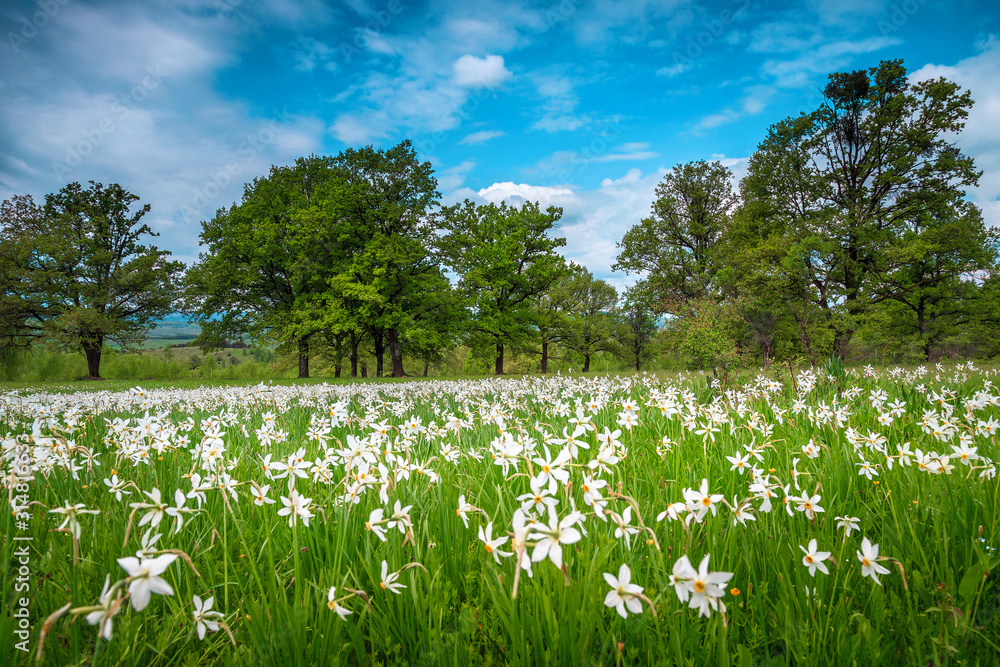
(175, 327)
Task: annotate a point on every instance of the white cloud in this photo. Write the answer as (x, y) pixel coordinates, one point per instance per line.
(128, 95)
(452, 178)
(486, 72)
(673, 70)
(979, 74)
(355, 130)
(481, 137)
(593, 221)
(559, 106)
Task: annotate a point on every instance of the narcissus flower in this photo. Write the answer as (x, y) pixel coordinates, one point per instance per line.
(623, 594)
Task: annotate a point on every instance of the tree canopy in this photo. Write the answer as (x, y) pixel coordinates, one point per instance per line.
(76, 270)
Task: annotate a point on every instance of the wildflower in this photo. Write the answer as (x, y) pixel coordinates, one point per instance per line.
(179, 510)
(116, 487)
(388, 582)
(295, 506)
(156, 509)
(809, 505)
(868, 557)
(554, 536)
(108, 608)
(700, 502)
(623, 594)
(463, 510)
(331, 603)
(704, 587)
(144, 578)
(491, 545)
(400, 518)
(848, 523)
(260, 494)
(739, 463)
(72, 514)
(682, 573)
(814, 559)
(204, 618)
(374, 523)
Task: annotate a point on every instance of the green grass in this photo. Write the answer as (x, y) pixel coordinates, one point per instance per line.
(271, 581)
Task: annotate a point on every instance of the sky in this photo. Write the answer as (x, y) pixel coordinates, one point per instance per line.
(582, 104)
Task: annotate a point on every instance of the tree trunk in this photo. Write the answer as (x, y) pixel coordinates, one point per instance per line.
(355, 341)
(586, 363)
(545, 357)
(498, 370)
(364, 369)
(427, 366)
(336, 369)
(922, 328)
(638, 356)
(93, 352)
(395, 353)
(379, 343)
(304, 357)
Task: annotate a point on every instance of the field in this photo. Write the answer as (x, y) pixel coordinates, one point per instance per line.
(817, 519)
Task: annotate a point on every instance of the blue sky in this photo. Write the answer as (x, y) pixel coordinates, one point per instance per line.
(583, 104)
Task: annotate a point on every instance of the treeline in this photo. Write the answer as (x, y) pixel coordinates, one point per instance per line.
(852, 224)
(851, 230)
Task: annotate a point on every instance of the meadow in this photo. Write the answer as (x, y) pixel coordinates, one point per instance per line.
(836, 518)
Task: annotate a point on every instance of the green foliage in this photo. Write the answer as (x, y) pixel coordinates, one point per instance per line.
(77, 272)
(852, 191)
(589, 318)
(676, 247)
(636, 327)
(505, 260)
(708, 332)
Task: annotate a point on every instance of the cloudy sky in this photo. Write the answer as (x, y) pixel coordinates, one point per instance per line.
(583, 104)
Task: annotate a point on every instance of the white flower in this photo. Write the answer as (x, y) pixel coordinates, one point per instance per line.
(145, 576)
(848, 523)
(295, 506)
(814, 559)
(204, 618)
(331, 603)
(868, 557)
(491, 545)
(72, 513)
(623, 594)
(102, 617)
(388, 582)
(555, 535)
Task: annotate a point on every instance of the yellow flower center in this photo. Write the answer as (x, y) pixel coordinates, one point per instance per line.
(699, 586)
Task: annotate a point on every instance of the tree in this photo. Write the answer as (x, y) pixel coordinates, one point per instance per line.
(23, 310)
(931, 272)
(83, 275)
(590, 315)
(676, 246)
(385, 228)
(504, 258)
(549, 317)
(636, 326)
(848, 179)
(264, 270)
